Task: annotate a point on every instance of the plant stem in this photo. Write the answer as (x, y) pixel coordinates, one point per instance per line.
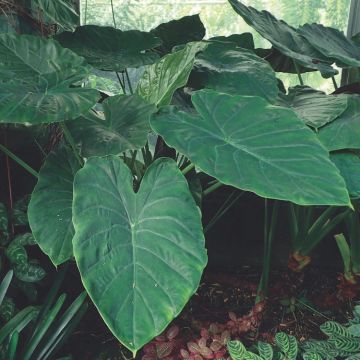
(229, 202)
(71, 142)
(120, 82)
(128, 80)
(188, 168)
(334, 82)
(212, 188)
(86, 7)
(298, 72)
(19, 161)
(268, 240)
(113, 13)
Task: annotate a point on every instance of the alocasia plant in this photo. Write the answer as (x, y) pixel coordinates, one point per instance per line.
(127, 215)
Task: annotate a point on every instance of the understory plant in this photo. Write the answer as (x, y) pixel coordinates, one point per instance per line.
(39, 332)
(120, 191)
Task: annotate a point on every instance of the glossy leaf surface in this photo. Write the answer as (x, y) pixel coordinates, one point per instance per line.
(284, 37)
(37, 77)
(344, 132)
(59, 12)
(50, 208)
(315, 107)
(160, 80)
(247, 143)
(140, 255)
(107, 48)
(179, 31)
(124, 126)
(333, 44)
(233, 70)
(349, 166)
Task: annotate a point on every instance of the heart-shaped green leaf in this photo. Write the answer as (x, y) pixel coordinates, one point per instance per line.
(59, 12)
(110, 49)
(233, 70)
(247, 143)
(179, 31)
(333, 44)
(349, 165)
(124, 127)
(160, 80)
(344, 132)
(284, 37)
(140, 255)
(37, 81)
(314, 107)
(50, 207)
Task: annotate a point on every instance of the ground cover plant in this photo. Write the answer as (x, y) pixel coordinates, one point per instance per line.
(121, 187)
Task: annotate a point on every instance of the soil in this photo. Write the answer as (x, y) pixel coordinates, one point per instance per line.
(297, 303)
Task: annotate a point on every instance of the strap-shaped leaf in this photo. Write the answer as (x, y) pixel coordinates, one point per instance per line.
(37, 76)
(124, 127)
(344, 132)
(179, 31)
(110, 49)
(284, 37)
(140, 255)
(247, 143)
(349, 165)
(332, 43)
(50, 208)
(315, 107)
(227, 68)
(160, 80)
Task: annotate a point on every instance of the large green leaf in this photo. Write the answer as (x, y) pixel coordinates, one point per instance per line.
(125, 126)
(333, 44)
(247, 143)
(280, 62)
(244, 40)
(60, 12)
(349, 165)
(37, 77)
(284, 37)
(107, 48)
(344, 132)
(140, 255)
(160, 80)
(230, 69)
(314, 107)
(180, 31)
(50, 208)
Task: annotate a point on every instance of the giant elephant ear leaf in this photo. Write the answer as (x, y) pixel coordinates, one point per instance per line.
(50, 207)
(343, 132)
(284, 37)
(124, 127)
(247, 143)
(314, 107)
(140, 255)
(333, 44)
(227, 68)
(38, 78)
(349, 165)
(110, 49)
(179, 31)
(60, 12)
(162, 79)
